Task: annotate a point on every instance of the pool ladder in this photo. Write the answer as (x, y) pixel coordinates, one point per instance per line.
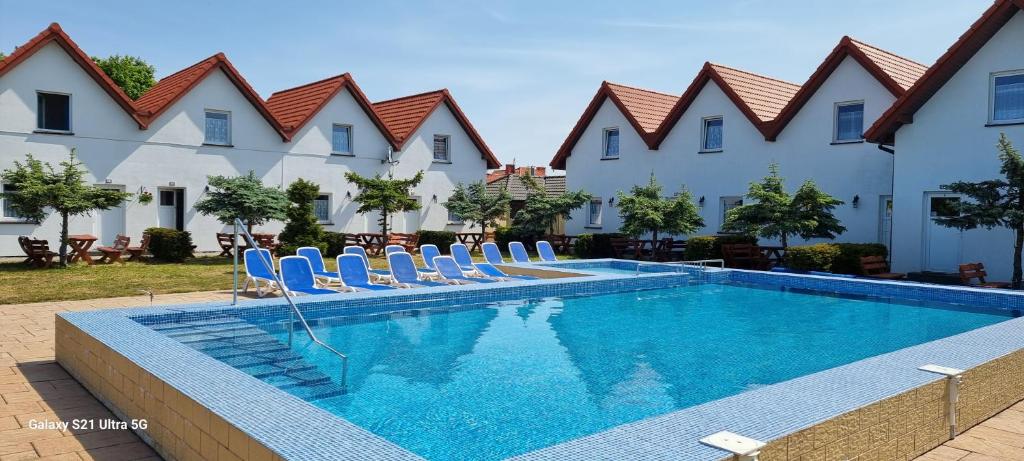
(701, 264)
(293, 313)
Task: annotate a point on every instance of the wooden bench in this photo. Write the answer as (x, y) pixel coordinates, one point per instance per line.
(744, 256)
(625, 248)
(37, 251)
(407, 241)
(670, 249)
(877, 267)
(112, 254)
(135, 253)
(971, 271)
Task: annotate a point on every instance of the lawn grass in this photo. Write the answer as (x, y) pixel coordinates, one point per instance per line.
(22, 284)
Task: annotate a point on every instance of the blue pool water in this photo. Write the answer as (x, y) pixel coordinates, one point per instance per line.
(492, 381)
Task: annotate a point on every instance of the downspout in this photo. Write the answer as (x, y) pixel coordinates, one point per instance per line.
(892, 194)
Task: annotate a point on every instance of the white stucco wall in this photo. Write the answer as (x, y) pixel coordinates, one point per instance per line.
(947, 142)
(116, 152)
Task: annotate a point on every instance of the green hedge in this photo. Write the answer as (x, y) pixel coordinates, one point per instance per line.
(169, 245)
(335, 244)
(503, 235)
(839, 258)
(848, 261)
(710, 246)
(443, 239)
(589, 246)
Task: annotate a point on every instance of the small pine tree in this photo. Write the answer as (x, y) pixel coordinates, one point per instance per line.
(302, 228)
(245, 198)
(645, 210)
(385, 195)
(475, 206)
(541, 210)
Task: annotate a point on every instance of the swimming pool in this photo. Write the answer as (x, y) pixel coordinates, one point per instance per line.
(489, 381)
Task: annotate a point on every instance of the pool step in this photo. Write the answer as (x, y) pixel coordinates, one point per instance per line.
(255, 352)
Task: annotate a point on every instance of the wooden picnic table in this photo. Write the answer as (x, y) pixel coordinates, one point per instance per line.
(80, 244)
(372, 243)
(774, 254)
(473, 240)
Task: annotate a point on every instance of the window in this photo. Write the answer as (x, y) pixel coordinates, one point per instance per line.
(728, 203)
(711, 135)
(167, 197)
(1008, 97)
(218, 128)
(849, 125)
(611, 143)
(322, 208)
(441, 146)
(53, 111)
(595, 213)
(341, 140)
(8, 211)
(454, 218)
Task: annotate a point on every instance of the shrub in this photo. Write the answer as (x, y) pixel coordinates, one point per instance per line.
(443, 239)
(302, 228)
(710, 246)
(583, 248)
(818, 257)
(590, 246)
(169, 245)
(503, 235)
(334, 243)
(848, 260)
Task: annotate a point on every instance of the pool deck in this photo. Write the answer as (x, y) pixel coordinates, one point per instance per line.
(34, 387)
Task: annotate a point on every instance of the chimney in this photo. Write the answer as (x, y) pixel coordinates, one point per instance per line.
(510, 168)
(539, 172)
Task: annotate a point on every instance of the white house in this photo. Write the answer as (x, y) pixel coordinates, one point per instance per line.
(726, 129)
(945, 129)
(206, 120)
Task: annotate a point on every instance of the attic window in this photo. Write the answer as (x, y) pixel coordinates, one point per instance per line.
(53, 111)
(1008, 97)
(442, 147)
(218, 127)
(611, 143)
(849, 125)
(711, 134)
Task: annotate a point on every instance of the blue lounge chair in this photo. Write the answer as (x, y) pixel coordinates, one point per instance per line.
(256, 271)
(545, 251)
(393, 249)
(518, 252)
(404, 273)
(353, 274)
(297, 276)
(316, 261)
(450, 270)
(358, 250)
(428, 252)
(492, 254)
(461, 255)
(489, 270)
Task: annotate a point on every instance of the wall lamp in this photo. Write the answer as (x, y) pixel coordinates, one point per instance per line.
(348, 195)
(611, 202)
(700, 202)
(433, 199)
(856, 201)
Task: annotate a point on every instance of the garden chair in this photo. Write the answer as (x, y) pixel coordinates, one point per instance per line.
(135, 253)
(406, 241)
(450, 270)
(545, 251)
(489, 270)
(460, 253)
(428, 252)
(226, 243)
(395, 249)
(37, 252)
(971, 271)
(625, 248)
(353, 274)
(113, 253)
(876, 267)
(404, 273)
(298, 278)
(259, 270)
(744, 256)
(492, 253)
(316, 261)
(518, 252)
(379, 274)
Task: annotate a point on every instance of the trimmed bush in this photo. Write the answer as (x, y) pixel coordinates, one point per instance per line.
(503, 235)
(818, 257)
(590, 246)
(848, 261)
(583, 248)
(335, 244)
(710, 246)
(443, 239)
(169, 245)
(302, 228)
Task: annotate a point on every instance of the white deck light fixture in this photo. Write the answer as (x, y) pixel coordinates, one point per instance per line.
(743, 448)
(954, 376)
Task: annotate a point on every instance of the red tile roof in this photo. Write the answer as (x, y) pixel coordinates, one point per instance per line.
(646, 108)
(173, 87)
(55, 34)
(294, 107)
(903, 110)
(893, 72)
(403, 116)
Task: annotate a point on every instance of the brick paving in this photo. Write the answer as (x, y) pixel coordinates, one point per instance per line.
(1001, 437)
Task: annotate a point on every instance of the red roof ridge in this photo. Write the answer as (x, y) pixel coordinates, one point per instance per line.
(755, 74)
(641, 89)
(384, 101)
(344, 75)
(883, 50)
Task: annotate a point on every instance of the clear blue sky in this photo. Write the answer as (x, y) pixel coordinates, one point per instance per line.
(523, 71)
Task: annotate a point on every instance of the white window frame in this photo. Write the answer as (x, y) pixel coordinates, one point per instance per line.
(726, 199)
(604, 142)
(591, 222)
(704, 134)
(459, 219)
(40, 129)
(330, 207)
(351, 143)
(3, 215)
(216, 111)
(992, 97)
(835, 122)
(447, 148)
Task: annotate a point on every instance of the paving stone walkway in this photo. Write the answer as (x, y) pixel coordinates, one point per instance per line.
(1001, 437)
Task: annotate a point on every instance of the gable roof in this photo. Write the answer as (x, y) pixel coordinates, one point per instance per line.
(893, 72)
(518, 189)
(295, 107)
(173, 87)
(643, 109)
(403, 116)
(903, 110)
(54, 34)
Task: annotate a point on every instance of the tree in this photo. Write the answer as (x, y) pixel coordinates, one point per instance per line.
(245, 198)
(541, 210)
(39, 188)
(131, 73)
(645, 210)
(475, 206)
(302, 228)
(386, 195)
(995, 203)
(776, 214)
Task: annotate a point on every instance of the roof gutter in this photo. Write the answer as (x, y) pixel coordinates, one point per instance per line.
(883, 148)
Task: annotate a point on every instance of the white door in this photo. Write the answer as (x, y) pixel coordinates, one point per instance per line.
(110, 222)
(885, 221)
(167, 208)
(942, 245)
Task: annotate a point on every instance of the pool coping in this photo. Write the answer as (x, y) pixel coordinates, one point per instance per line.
(303, 431)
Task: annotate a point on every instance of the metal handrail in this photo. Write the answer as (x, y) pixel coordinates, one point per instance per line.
(294, 311)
